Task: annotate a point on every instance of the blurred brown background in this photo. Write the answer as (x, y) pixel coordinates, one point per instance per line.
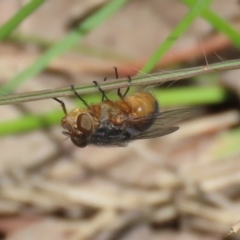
(177, 187)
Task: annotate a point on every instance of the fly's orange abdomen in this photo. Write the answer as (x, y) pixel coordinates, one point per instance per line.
(143, 104)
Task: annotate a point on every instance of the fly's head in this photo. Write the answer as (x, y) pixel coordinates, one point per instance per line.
(78, 128)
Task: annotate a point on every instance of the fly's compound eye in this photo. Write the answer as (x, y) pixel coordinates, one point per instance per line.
(85, 124)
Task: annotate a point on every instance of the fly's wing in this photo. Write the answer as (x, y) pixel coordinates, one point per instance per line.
(154, 132)
(163, 123)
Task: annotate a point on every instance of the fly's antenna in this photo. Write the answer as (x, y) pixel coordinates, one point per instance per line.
(76, 93)
(119, 90)
(104, 96)
(62, 105)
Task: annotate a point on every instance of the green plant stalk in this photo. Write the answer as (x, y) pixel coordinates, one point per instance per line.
(191, 96)
(194, 12)
(167, 98)
(83, 48)
(146, 80)
(59, 48)
(30, 122)
(24, 12)
(219, 24)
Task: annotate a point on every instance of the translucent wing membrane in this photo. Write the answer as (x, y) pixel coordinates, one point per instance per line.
(163, 123)
(168, 118)
(154, 132)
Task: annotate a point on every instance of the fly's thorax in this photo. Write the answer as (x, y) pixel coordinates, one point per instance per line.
(108, 111)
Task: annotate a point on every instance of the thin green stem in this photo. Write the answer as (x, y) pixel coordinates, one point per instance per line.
(23, 13)
(65, 44)
(219, 24)
(191, 96)
(155, 78)
(194, 12)
(79, 48)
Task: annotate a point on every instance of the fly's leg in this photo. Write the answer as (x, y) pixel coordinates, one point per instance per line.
(62, 105)
(121, 96)
(123, 105)
(104, 96)
(128, 88)
(84, 102)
